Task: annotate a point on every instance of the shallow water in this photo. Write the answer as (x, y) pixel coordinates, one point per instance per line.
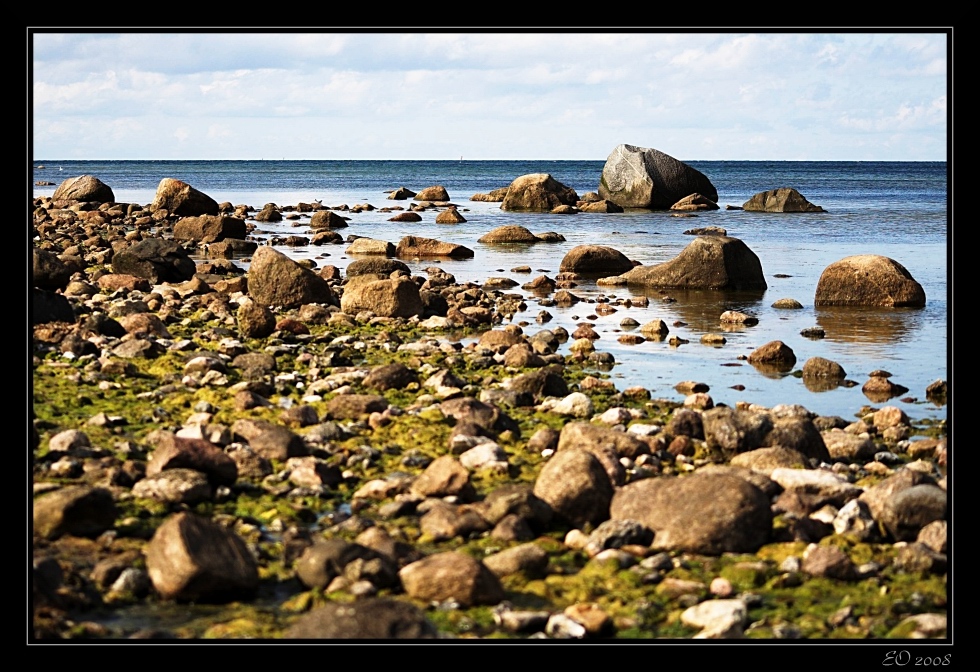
(893, 209)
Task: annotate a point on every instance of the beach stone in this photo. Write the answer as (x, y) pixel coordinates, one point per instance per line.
(276, 280)
(735, 431)
(444, 476)
(495, 196)
(828, 561)
(764, 460)
(718, 619)
(76, 510)
(406, 217)
(640, 177)
(175, 486)
(538, 192)
(269, 213)
(599, 205)
(694, 202)
(396, 297)
(787, 304)
(209, 228)
(708, 262)
(191, 558)
(877, 495)
(737, 317)
(595, 260)
(818, 486)
(376, 266)
(907, 511)
(576, 405)
(450, 216)
(355, 406)
(370, 246)
(587, 436)
(48, 272)
(401, 194)
(180, 198)
(174, 452)
(415, 246)
(780, 200)
(86, 188)
(818, 367)
(255, 320)
(451, 576)
(326, 559)
(774, 353)
(868, 280)
(370, 618)
(327, 219)
(434, 193)
(700, 513)
(880, 389)
(394, 376)
(509, 233)
(529, 559)
(576, 487)
(155, 259)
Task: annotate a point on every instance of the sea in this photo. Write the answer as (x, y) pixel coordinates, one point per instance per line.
(896, 209)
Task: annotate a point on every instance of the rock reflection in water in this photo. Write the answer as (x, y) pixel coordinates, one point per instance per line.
(701, 309)
(869, 325)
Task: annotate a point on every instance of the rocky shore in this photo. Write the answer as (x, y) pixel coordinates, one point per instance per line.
(311, 453)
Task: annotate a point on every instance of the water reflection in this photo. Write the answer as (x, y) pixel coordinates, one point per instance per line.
(701, 309)
(869, 325)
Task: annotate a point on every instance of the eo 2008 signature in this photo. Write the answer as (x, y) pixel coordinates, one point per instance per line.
(902, 657)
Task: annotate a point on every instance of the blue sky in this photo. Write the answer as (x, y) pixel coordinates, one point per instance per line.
(696, 96)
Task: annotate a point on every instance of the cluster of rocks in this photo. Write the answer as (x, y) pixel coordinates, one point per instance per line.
(381, 455)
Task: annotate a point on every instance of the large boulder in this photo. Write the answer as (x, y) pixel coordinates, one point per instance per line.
(84, 188)
(209, 228)
(595, 260)
(708, 262)
(780, 200)
(538, 192)
(276, 280)
(180, 198)
(638, 177)
(702, 513)
(156, 259)
(868, 280)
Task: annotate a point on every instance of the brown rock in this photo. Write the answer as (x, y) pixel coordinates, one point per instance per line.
(276, 280)
(451, 576)
(780, 200)
(708, 262)
(868, 280)
(191, 558)
(538, 192)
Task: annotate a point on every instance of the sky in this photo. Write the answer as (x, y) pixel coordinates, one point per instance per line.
(807, 96)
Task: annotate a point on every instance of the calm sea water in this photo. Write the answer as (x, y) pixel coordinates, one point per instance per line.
(896, 209)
